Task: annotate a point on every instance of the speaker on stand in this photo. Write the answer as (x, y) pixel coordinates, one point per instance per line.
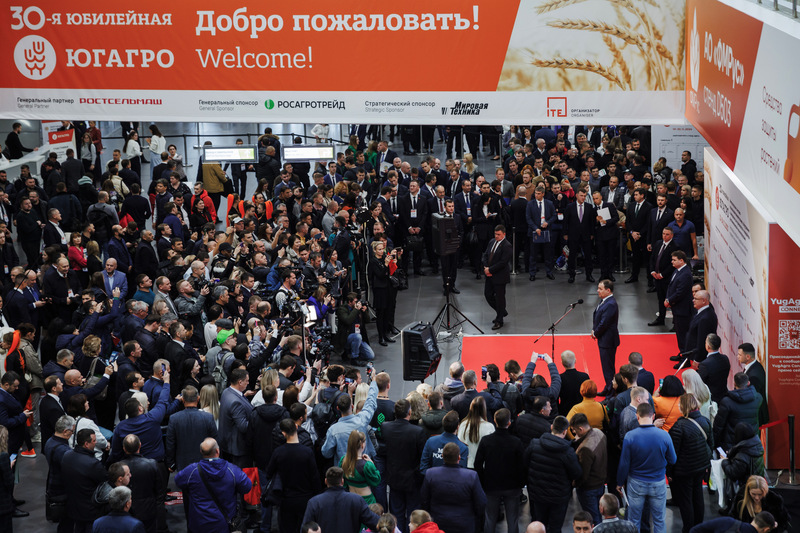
(421, 354)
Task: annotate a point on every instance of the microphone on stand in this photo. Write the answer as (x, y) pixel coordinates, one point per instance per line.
(573, 305)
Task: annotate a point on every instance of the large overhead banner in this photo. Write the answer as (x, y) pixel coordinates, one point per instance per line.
(743, 97)
(498, 61)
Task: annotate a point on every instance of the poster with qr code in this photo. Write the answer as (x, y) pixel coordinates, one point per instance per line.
(789, 334)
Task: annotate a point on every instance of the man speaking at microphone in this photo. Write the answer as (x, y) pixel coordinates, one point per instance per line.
(605, 331)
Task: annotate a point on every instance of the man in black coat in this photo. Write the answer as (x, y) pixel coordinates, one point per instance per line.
(413, 214)
(758, 377)
(571, 381)
(82, 473)
(404, 443)
(501, 469)
(661, 270)
(679, 297)
(534, 422)
(701, 324)
(578, 228)
(660, 217)
(461, 402)
(606, 235)
(540, 215)
(145, 260)
(715, 369)
(552, 467)
(637, 223)
(450, 261)
(146, 483)
(50, 407)
(62, 288)
(187, 429)
(496, 267)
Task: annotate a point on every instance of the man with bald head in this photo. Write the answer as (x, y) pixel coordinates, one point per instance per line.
(226, 480)
(114, 279)
(535, 527)
(452, 385)
(62, 289)
(703, 322)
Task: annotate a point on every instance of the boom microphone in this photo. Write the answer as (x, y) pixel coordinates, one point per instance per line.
(580, 301)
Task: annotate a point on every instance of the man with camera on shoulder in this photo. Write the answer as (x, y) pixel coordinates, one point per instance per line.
(350, 324)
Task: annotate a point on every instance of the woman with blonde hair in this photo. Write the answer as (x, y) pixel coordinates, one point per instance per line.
(268, 377)
(209, 401)
(755, 497)
(474, 427)
(94, 263)
(470, 167)
(418, 406)
(694, 385)
(425, 390)
(360, 473)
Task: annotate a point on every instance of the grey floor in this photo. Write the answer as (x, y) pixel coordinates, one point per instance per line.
(532, 308)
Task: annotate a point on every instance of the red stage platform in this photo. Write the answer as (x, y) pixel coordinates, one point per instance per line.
(478, 350)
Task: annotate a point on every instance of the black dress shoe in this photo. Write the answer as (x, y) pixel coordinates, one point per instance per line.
(571, 279)
(550, 275)
(532, 277)
(590, 278)
(390, 341)
(382, 342)
(632, 279)
(19, 513)
(676, 358)
(455, 291)
(497, 325)
(657, 323)
(17, 502)
(651, 289)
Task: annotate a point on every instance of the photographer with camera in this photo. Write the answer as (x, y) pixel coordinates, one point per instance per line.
(380, 267)
(190, 304)
(350, 328)
(286, 292)
(313, 275)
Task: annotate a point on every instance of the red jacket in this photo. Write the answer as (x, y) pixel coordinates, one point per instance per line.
(208, 203)
(428, 527)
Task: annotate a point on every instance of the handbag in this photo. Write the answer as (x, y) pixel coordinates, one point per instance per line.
(93, 380)
(415, 243)
(273, 491)
(56, 507)
(235, 522)
(399, 280)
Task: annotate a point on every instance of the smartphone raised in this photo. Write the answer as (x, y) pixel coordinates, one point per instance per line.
(483, 373)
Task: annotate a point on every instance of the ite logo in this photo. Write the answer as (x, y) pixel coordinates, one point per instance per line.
(35, 57)
(557, 106)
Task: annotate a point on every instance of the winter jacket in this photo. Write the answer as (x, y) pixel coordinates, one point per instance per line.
(499, 461)
(225, 480)
(746, 458)
(529, 426)
(740, 405)
(431, 422)
(82, 473)
(450, 389)
(552, 467)
(454, 496)
(263, 420)
(691, 447)
(551, 392)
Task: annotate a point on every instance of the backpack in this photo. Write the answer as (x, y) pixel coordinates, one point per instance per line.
(324, 415)
(102, 224)
(219, 373)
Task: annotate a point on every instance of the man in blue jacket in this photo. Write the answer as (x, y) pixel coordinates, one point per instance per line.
(606, 332)
(679, 297)
(450, 492)
(432, 453)
(118, 520)
(146, 426)
(646, 451)
(213, 486)
(338, 511)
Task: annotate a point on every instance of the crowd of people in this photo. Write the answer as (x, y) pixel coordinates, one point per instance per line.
(157, 338)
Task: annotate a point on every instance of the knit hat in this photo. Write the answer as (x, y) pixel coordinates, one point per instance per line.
(223, 335)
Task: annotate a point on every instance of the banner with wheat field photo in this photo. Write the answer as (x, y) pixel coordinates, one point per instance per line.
(498, 61)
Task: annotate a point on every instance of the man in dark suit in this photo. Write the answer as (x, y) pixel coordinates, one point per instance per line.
(579, 220)
(715, 369)
(17, 309)
(679, 297)
(540, 214)
(605, 331)
(701, 324)
(644, 378)
(606, 236)
(758, 377)
(187, 429)
(661, 270)
(63, 288)
(495, 263)
(450, 261)
(413, 213)
(14, 418)
(571, 381)
(145, 260)
(637, 222)
(234, 415)
(384, 156)
(52, 234)
(612, 192)
(404, 443)
(50, 407)
(660, 217)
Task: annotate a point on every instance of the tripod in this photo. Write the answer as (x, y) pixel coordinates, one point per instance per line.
(444, 313)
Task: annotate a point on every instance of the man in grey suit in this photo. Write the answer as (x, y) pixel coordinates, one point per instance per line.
(612, 193)
(234, 413)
